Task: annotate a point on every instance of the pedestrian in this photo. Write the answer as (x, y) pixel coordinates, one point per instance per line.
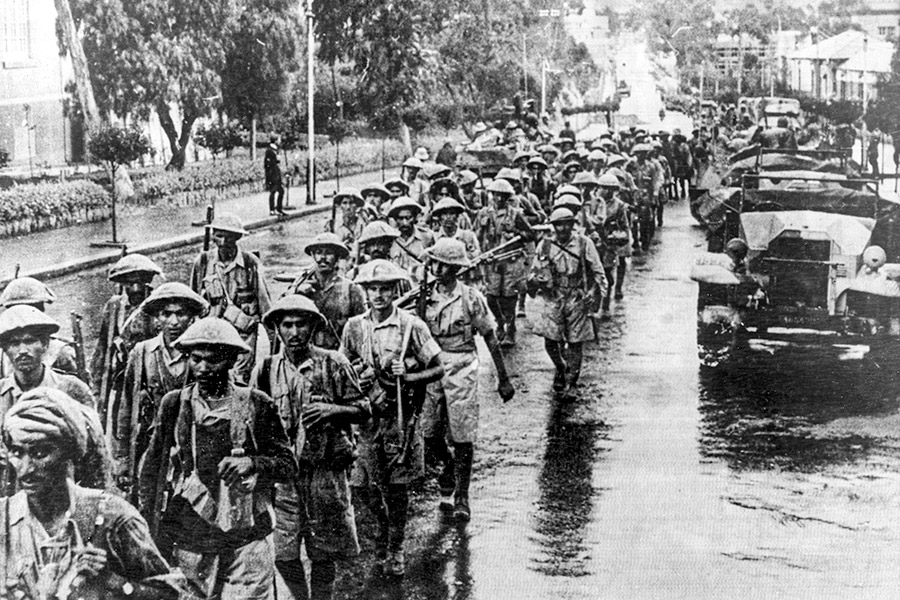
(122, 326)
(274, 180)
(336, 297)
(872, 152)
(408, 248)
(29, 291)
(318, 399)
(455, 313)
(617, 238)
(349, 229)
(207, 478)
(570, 277)
(684, 170)
(396, 357)
(496, 224)
(24, 338)
(155, 368)
(62, 540)
(567, 131)
(232, 281)
(471, 199)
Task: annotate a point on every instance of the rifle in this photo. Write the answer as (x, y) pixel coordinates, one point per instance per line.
(78, 344)
(500, 252)
(16, 274)
(207, 239)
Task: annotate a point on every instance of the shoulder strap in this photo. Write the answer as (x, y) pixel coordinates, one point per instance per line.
(4, 546)
(264, 381)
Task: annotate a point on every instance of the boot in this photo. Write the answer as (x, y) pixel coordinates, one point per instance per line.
(521, 311)
(464, 456)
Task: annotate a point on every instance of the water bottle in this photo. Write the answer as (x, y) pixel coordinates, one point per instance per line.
(236, 502)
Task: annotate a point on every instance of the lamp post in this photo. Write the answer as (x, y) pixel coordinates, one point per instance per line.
(310, 118)
(817, 74)
(865, 98)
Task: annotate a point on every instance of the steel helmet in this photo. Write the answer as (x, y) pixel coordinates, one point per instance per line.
(537, 161)
(874, 257)
(377, 230)
(638, 148)
(25, 318)
(467, 177)
(377, 188)
(404, 203)
(570, 201)
(447, 205)
(171, 292)
(138, 263)
(211, 331)
(225, 222)
(509, 174)
(436, 171)
(380, 270)
(738, 247)
(413, 163)
(449, 251)
(292, 304)
(330, 241)
(561, 215)
(397, 182)
(501, 186)
(26, 290)
(584, 178)
(597, 155)
(616, 159)
(608, 180)
(522, 154)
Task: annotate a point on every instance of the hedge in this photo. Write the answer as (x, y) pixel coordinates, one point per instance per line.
(29, 208)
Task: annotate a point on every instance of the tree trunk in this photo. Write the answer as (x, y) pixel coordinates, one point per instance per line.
(178, 143)
(80, 67)
(253, 138)
(405, 138)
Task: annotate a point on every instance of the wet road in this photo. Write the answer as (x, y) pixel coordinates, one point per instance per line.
(773, 478)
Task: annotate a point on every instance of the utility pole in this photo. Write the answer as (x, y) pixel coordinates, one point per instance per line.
(524, 61)
(310, 94)
(865, 98)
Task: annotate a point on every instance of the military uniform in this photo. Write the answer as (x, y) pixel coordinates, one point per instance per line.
(237, 292)
(349, 231)
(60, 355)
(408, 254)
(466, 236)
(338, 299)
(571, 273)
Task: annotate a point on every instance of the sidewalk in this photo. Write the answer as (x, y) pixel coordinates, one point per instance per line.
(146, 230)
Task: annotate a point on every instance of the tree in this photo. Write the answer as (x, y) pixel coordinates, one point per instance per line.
(162, 55)
(217, 137)
(256, 81)
(115, 146)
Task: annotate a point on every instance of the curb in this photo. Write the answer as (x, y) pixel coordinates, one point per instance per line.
(105, 258)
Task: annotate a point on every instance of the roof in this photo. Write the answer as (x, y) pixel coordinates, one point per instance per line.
(847, 48)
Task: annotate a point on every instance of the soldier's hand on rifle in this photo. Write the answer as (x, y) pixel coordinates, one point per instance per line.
(366, 378)
(317, 413)
(234, 468)
(506, 390)
(90, 561)
(398, 368)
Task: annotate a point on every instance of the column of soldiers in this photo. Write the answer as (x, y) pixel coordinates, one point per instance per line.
(219, 432)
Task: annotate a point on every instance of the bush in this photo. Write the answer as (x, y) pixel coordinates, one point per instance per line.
(199, 176)
(51, 199)
(4, 158)
(217, 137)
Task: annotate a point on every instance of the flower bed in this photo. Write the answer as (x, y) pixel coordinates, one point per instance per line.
(28, 208)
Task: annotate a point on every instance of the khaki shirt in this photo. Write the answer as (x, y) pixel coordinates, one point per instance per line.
(566, 264)
(467, 237)
(454, 318)
(409, 254)
(239, 282)
(337, 298)
(10, 392)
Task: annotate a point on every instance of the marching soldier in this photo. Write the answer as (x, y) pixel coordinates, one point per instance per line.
(496, 224)
(155, 368)
(121, 327)
(569, 275)
(397, 187)
(350, 228)
(396, 357)
(31, 292)
(454, 313)
(318, 398)
(207, 479)
(377, 201)
(408, 248)
(617, 238)
(232, 281)
(471, 199)
(336, 297)
(447, 213)
(648, 181)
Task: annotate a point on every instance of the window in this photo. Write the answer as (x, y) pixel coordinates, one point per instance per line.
(14, 42)
(886, 32)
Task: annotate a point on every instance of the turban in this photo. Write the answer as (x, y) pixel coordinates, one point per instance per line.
(50, 413)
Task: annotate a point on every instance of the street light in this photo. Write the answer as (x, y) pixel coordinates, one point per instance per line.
(817, 83)
(310, 118)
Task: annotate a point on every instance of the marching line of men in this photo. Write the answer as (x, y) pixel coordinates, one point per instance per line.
(225, 430)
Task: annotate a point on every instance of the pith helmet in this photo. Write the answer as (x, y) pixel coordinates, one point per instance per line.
(521, 155)
(403, 203)
(421, 153)
(509, 174)
(501, 186)
(537, 161)
(397, 182)
(380, 271)
(377, 188)
(330, 241)
(376, 230)
(584, 178)
(227, 222)
(567, 189)
(25, 318)
(447, 205)
(212, 331)
(597, 155)
(174, 291)
(570, 201)
(467, 177)
(26, 290)
(351, 193)
(436, 171)
(608, 180)
(616, 159)
(561, 215)
(413, 163)
(292, 304)
(136, 263)
(449, 251)
(641, 148)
